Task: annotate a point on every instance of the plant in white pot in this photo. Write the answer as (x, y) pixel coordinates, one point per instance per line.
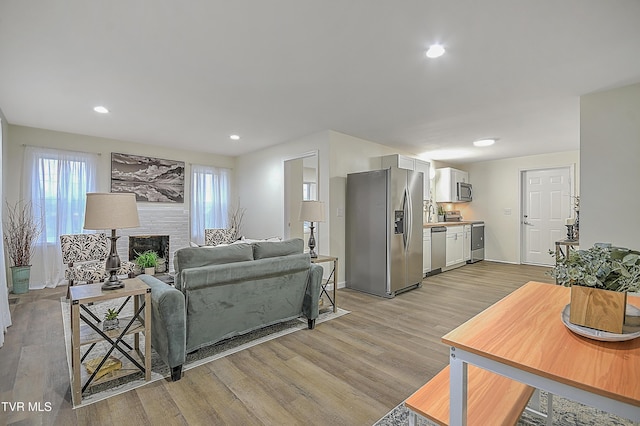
(21, 231)
(600, 278)
(148, 261)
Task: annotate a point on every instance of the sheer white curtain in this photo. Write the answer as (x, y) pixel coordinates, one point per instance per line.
(56, 182)
(210, 188)
(5, 314)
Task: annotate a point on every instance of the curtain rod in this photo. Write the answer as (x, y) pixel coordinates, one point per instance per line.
(61, 149)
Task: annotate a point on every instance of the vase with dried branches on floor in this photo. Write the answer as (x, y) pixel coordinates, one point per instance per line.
(21, 230)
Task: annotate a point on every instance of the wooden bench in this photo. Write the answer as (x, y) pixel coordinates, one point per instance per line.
(492, 399)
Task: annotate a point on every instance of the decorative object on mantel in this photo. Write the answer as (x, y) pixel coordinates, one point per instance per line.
(21, 231)
(600, 278)
(151, 179)
(312, 211)
(111, 211)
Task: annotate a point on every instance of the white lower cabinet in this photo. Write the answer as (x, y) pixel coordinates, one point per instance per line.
(426, 251)
(455, 245)
(467, 242)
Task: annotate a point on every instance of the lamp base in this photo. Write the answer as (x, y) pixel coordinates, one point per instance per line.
(312, 243)
(112, 283)
(112, 286)
(112, 265)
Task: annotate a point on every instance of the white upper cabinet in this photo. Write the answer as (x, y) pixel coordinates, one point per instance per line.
(409, 163)
(446, 183)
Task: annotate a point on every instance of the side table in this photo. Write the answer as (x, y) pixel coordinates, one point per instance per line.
(568, 244)
(90, 333)
(331, 279)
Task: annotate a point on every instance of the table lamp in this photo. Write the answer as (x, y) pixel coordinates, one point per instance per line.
(115, 210)
(312, 211)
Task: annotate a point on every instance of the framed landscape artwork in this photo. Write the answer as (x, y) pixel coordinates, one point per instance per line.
(151, 179)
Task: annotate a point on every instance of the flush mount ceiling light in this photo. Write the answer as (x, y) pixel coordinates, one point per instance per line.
(484, 142)
(101, 109)
(435, 51)
(234, 137)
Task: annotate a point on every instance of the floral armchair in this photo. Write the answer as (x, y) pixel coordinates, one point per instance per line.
(85, 256)
(216, 236)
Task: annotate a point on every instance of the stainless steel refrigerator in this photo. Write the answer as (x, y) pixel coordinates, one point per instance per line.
(384, 231)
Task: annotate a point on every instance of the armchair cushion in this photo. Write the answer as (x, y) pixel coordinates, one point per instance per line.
(85, 256)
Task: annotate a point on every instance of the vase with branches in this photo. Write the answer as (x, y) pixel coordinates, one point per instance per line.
(21, 230)
(236, 215)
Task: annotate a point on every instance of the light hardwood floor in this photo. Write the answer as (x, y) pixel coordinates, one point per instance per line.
(348, 371)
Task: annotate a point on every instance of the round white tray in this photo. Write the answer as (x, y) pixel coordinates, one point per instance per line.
(628, 332)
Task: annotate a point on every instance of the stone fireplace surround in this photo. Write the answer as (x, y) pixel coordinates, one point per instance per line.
(156, 219)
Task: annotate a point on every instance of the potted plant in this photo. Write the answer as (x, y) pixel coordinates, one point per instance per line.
(440, 214)
(110, 320)
(600, 278)
(148, 261)
(21, 231)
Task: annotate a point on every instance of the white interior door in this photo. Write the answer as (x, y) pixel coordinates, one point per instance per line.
(546, 203)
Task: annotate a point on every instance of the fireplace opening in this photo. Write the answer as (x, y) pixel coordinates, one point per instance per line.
(159, 243)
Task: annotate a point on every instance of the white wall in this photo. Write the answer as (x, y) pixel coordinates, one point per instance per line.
(610, 158)
(496, 187)
(260, 185)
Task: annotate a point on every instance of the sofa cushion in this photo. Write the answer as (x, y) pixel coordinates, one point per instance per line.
(194, 257)
(266, 249)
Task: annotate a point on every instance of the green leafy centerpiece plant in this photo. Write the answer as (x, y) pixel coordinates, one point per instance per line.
(600, 278)
(147, 261)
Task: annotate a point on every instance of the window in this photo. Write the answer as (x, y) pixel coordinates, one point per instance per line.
(210, 194)
(56, 182)
(59, 183)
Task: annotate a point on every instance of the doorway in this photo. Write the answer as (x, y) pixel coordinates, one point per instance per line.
(546, 204)
(300, 183)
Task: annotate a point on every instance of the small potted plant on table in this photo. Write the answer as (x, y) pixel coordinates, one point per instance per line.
(600, 278)
(148, 261)
(110, 320)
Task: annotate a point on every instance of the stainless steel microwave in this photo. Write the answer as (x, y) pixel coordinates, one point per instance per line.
(463, 192)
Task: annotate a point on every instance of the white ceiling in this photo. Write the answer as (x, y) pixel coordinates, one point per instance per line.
(189, 74)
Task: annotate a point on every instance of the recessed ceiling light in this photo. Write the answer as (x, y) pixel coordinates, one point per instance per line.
(435, 51)
(234, 137)
(101, 109)
(484, 142)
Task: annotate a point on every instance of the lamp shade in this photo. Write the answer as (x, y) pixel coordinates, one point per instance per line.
(113, 210)
(312, 211)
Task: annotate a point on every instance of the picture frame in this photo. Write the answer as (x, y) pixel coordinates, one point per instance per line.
(151, 179)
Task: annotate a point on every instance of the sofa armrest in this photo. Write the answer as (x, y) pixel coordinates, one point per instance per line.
(310, 306)
(168, 323)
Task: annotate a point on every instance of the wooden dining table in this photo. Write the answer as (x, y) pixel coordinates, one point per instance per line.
(523, 337)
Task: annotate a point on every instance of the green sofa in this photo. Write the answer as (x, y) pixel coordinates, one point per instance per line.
(222, 292)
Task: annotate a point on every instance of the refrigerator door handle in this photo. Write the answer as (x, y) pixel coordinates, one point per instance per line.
(409, 219)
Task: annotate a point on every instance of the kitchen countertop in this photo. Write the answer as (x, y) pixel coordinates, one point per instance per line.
(463, 222)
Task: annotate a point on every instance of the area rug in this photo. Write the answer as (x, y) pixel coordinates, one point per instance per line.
(565, 413)
(159, 371)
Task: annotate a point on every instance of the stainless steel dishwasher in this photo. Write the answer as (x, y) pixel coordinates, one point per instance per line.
(438, 249)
